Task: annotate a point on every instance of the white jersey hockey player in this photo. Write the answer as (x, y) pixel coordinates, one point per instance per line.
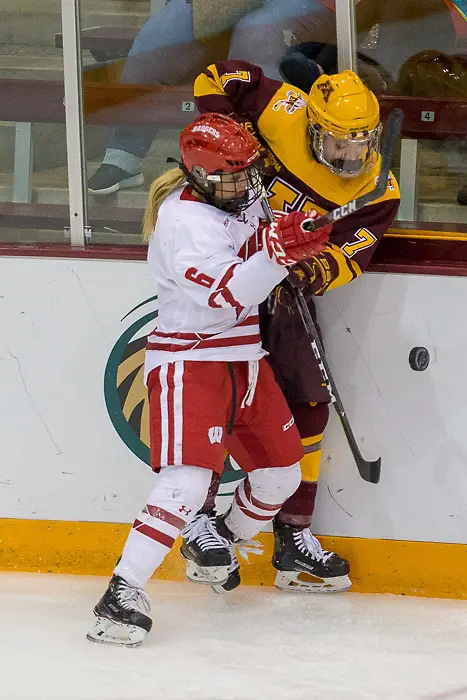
(205, 371)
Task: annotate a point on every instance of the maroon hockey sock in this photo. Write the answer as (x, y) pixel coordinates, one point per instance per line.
(210, 502)
(298, 509)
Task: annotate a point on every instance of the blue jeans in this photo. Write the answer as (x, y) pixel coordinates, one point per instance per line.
(166, 52)
(155, 57)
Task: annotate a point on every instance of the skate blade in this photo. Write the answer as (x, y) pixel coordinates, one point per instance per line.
(298, 582)
(116, 634)
(206, 574)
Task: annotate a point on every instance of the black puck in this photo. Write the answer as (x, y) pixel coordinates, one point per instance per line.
(419, 359)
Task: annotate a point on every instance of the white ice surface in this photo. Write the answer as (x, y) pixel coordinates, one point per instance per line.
(254, 644)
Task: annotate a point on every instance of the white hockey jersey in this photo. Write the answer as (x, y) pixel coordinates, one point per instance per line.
(211, 275)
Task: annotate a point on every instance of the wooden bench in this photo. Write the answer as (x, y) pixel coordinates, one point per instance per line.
(28, 101)
(106, 43)
(173, 107)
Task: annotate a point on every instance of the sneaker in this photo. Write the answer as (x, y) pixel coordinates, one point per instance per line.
(303, 565)
(121, 615)
(109, 179)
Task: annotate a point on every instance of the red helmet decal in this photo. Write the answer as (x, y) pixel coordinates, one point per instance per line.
(216, 142)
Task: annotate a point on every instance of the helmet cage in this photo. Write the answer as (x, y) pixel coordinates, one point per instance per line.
(223, 191)
(343, 166)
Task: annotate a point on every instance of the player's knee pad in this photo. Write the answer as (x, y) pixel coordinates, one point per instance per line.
(274, 485)
(181, 490)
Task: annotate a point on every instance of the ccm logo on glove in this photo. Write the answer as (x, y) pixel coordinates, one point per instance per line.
(287, 242)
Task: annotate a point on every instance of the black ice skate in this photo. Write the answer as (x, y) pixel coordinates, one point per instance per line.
(200, 535)
(121, 615)
(244, 547)
(233, 570)
(304, 566)
(207, 553)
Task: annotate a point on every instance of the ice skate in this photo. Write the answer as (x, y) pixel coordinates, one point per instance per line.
(198, 571)
(243, 547)
(207, 553)
(121, 615)
(304, 566)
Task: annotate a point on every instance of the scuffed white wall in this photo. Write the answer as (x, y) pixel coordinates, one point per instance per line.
(416, 421)
(61, 457)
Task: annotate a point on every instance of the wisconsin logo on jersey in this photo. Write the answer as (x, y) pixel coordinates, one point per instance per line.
(215, 434)
(293, 102)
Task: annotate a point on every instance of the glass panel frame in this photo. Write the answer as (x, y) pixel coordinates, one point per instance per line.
(71, 32)
(34, 151)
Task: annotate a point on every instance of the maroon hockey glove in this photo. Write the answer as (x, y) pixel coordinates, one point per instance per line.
(301, 276)
(287, 242)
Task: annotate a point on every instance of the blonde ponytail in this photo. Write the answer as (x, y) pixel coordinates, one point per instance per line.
(159, 190)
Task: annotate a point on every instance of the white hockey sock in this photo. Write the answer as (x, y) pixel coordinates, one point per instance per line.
(179, 493)
(260, 497)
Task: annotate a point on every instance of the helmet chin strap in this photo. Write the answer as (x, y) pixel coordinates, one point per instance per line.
(233, 205)
(179, 165)
(190, 179)
(230, 206)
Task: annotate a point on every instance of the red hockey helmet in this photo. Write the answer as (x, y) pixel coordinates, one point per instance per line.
(214, 147)
(217, 143)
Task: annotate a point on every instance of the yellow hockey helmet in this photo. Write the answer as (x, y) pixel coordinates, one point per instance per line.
(344, 123)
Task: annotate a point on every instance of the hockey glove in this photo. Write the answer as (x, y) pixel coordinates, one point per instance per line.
(287, 242)
(299, 277)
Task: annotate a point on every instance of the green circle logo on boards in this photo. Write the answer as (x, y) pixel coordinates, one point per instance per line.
(126, 396)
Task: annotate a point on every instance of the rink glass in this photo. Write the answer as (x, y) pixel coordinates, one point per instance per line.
(139, 60)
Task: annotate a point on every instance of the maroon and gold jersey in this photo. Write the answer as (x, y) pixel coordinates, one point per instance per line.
(276, 112)
(296, 181)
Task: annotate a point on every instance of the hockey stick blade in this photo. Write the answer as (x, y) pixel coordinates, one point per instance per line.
(391, 136)
(369, 470)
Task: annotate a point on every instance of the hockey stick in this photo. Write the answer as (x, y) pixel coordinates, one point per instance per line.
(391, 136)
(368, 470)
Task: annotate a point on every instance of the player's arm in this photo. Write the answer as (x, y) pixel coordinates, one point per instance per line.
(236, 88)
(348, 253)
(208, 270)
